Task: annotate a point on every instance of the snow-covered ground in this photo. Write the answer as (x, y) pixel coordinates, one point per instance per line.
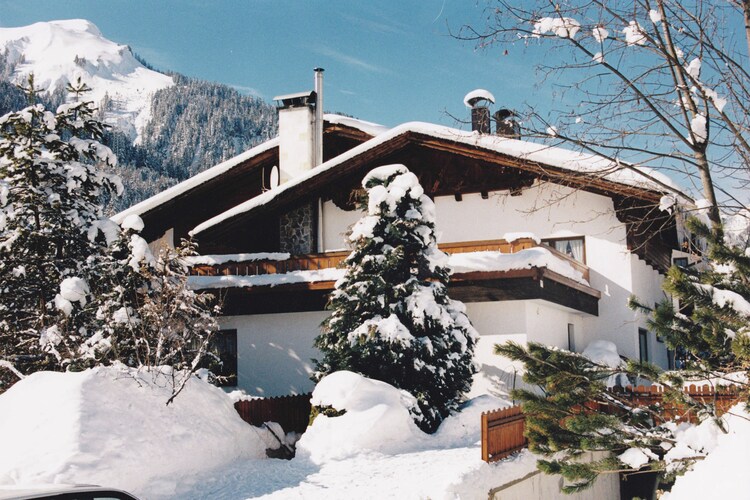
(110, 426)
(723, 473)
(58, 52)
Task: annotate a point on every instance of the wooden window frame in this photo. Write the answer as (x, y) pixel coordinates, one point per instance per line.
(643, 345)
(582, 239)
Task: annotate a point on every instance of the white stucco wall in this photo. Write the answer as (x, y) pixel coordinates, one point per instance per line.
(274, 351)
(336, 224)
(519, 321)
(647, 284)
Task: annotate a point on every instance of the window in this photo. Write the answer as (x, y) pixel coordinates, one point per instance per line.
(681, 262)
(571, 338)
(643, 344)
(572, 247)
(224, 345)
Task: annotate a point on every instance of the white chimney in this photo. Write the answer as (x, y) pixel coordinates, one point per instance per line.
(296, 134)
(300, 130)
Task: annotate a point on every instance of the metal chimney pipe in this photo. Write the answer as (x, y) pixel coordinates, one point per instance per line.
(318, 129)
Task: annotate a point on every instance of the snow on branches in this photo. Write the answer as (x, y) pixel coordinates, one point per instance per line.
(76, 290)
(392, 319)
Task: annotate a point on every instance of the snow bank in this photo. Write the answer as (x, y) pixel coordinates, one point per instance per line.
(375, 450)
(463, 429)
(377, 418)
(110, 426)
(726, 463)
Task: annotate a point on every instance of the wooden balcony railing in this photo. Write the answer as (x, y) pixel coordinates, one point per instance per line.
(334, 259)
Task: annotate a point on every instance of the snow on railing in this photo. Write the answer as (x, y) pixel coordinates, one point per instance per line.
(236, 266)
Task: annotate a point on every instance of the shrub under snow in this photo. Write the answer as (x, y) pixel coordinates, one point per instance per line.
(377, 418)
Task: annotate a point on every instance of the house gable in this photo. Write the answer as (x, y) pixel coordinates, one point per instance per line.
(446, 166)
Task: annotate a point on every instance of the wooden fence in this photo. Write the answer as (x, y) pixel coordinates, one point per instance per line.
(722, 397)
(502, 433)
(503, 430)
(291, 412)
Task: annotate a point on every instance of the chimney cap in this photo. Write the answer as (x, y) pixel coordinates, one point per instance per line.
(472, 98)
(295, 100)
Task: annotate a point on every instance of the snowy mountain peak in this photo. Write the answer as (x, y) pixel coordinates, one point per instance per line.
(58, 52)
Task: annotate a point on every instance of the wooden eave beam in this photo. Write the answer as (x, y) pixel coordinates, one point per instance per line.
(305, 191)
(347, 132)
(546, 172)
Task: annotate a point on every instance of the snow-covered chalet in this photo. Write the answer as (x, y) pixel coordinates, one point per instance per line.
(546, 244)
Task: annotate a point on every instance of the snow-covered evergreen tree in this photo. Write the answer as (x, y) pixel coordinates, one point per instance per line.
(51, 187)
(392, 318)
(76, 289)
(709, 331)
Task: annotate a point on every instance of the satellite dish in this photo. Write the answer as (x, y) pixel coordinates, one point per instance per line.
(273, 178)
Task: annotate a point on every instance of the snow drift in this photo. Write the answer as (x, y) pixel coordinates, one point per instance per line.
(111, 426)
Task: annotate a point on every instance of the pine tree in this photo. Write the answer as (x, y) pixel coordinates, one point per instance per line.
(51, 186)
(706, 321)
(392, 319)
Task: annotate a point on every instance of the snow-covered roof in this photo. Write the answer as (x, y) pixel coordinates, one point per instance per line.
(483, 261)
(370, 128)
(215, 260)
(194, 181)
(564, 159)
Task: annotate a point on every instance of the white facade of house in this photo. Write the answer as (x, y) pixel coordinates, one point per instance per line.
(274, 350)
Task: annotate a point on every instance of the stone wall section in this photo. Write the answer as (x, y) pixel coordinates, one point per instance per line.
(297, 230)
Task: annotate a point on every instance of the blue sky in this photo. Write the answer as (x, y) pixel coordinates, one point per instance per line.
(385, 61)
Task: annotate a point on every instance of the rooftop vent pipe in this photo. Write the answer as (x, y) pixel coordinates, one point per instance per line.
(318, 137)
(506, 124)
(478, 100)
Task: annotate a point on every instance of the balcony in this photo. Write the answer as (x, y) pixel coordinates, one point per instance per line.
(483, 271)
(329, 260)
